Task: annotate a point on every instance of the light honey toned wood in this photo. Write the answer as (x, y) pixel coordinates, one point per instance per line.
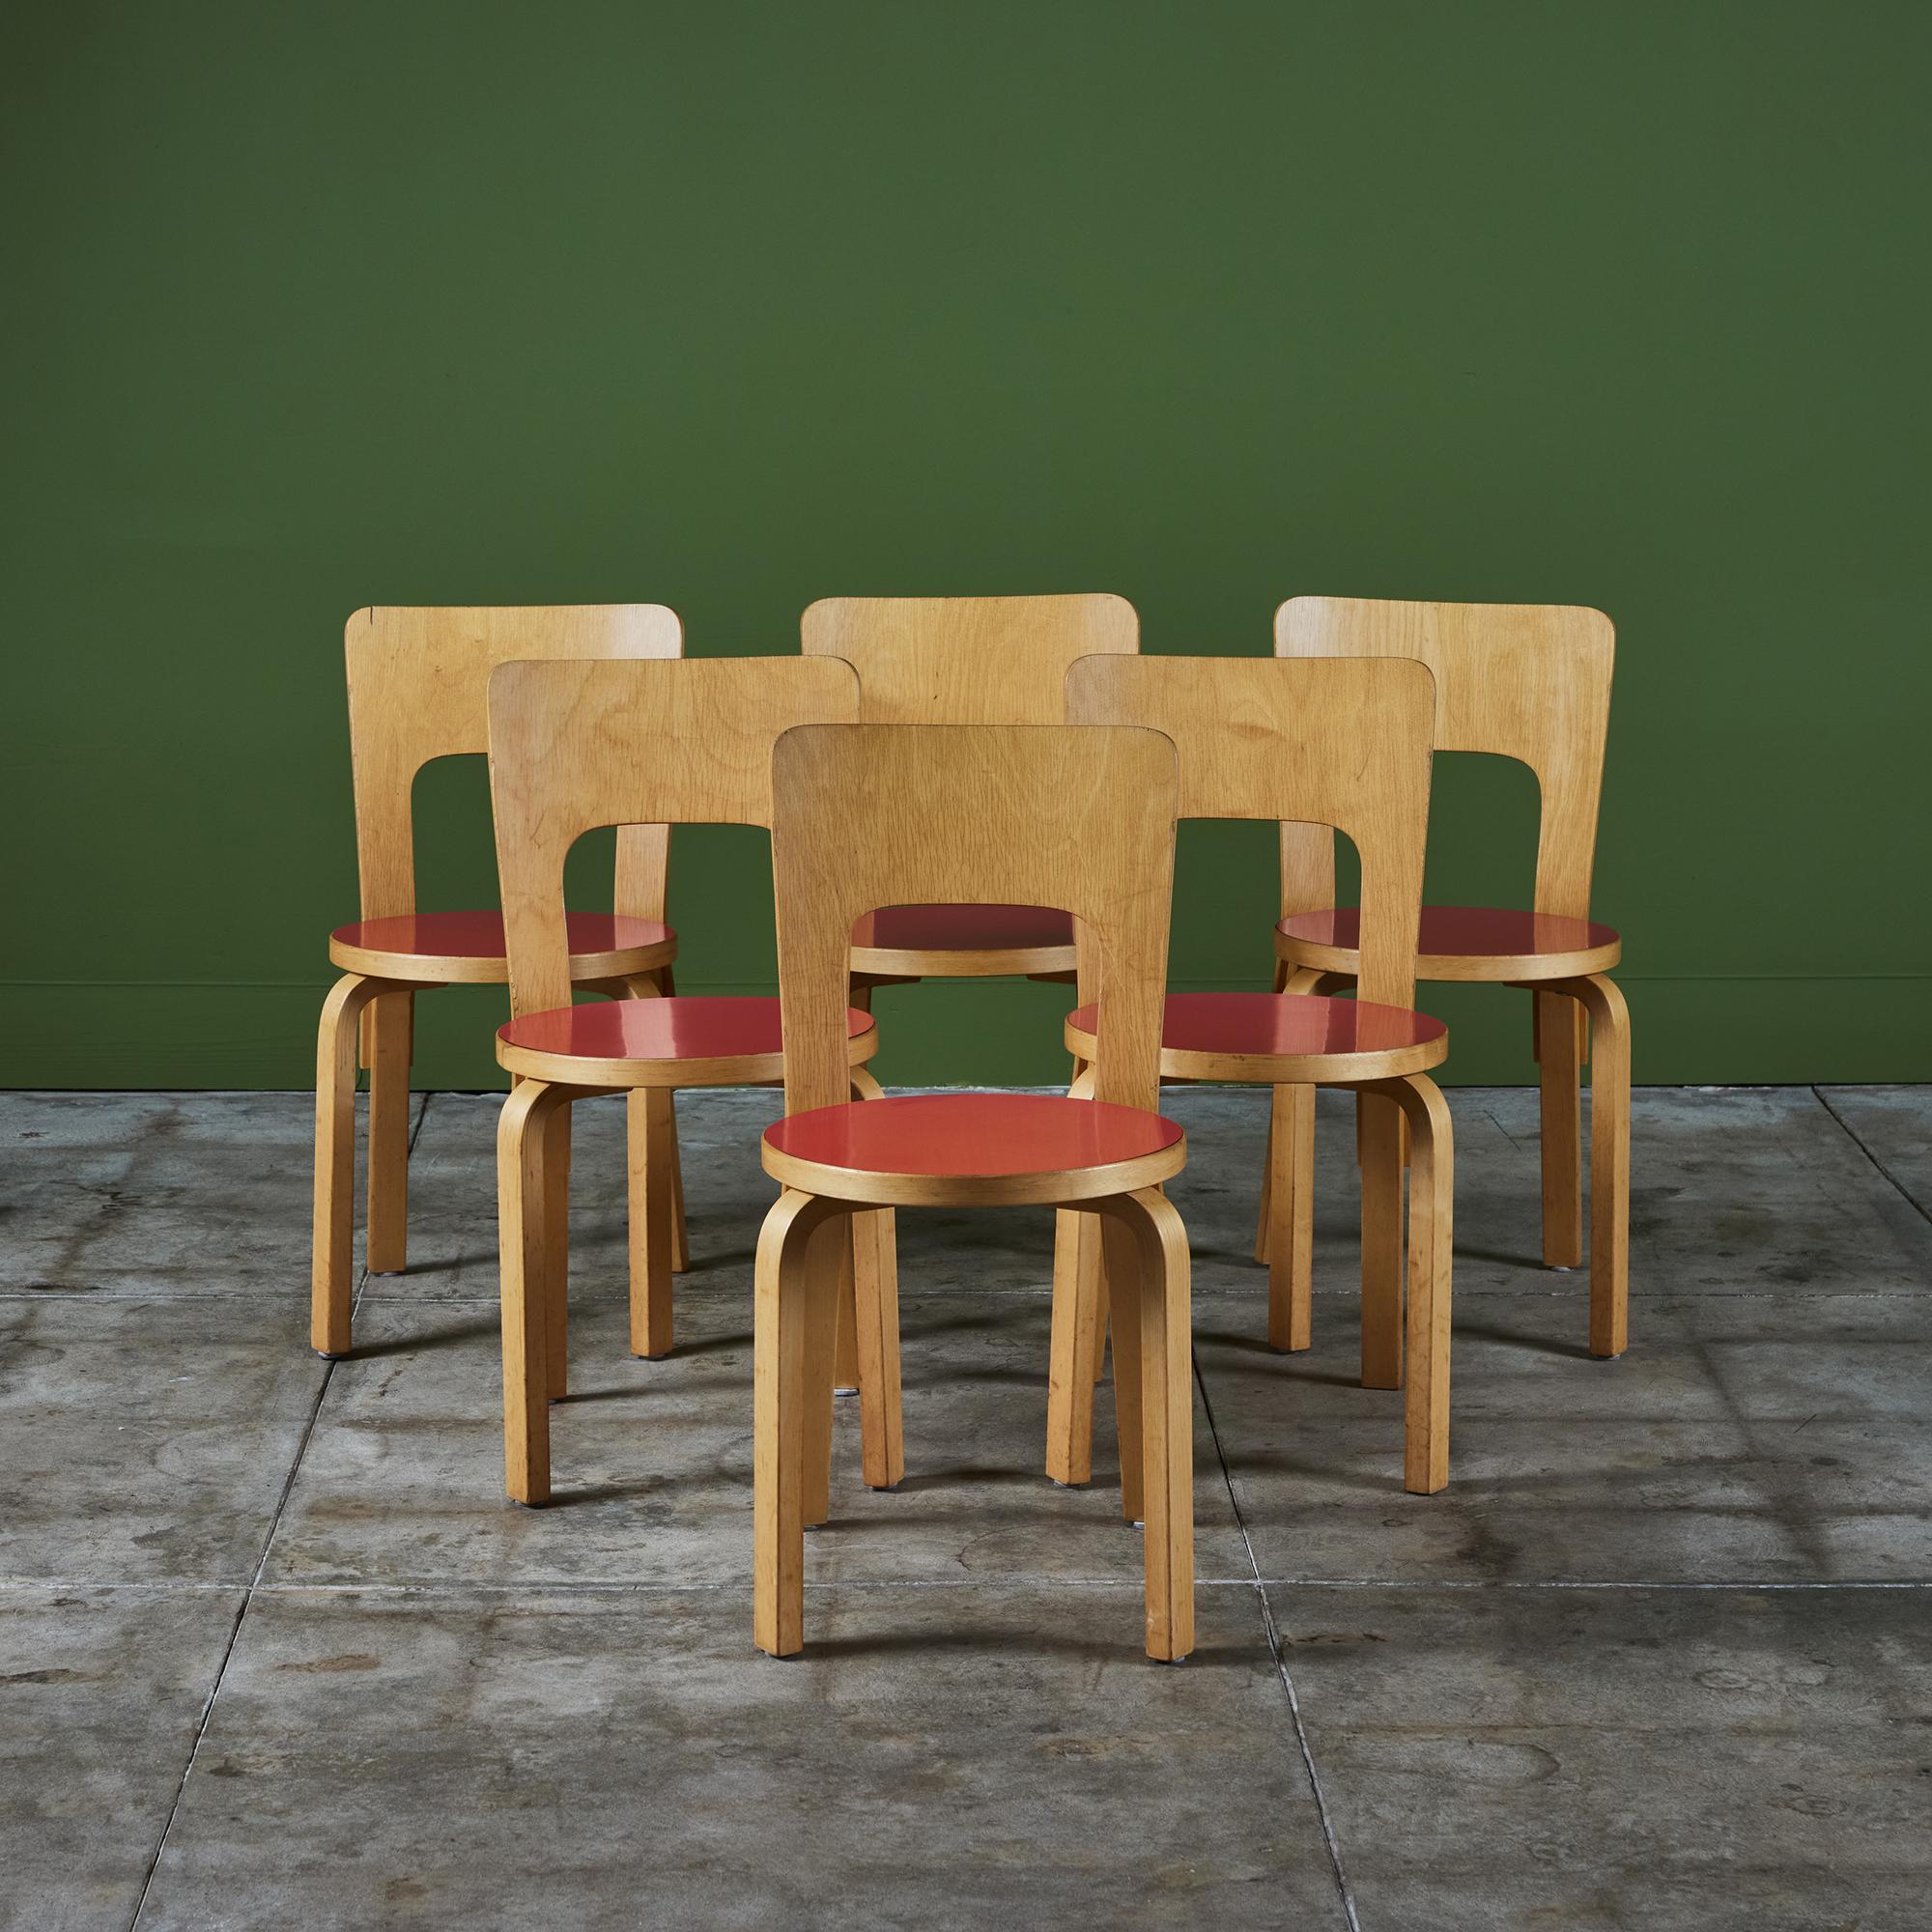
(419, 680)
(1344, 745)
(881, 814)
(965, 661)
(1529, 682)
(573, 747)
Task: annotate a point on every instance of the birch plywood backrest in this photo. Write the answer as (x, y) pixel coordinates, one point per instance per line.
(418, 679)
(872, 815)
(966, 659)
(1523, 681)
(1328, 742)
(574, 745)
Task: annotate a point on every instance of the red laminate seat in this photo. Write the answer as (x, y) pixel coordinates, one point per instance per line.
(468, 948)
(691, 1040)
(973, 1149)
(1285, 1038)
(962, 941)
(1488, 943)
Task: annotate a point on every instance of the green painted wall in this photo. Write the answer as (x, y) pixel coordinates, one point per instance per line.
(732, 306)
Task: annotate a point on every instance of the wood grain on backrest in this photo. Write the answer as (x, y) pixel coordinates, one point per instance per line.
(1523, 681)
(577, 745)
(966, 659)
(1332, 742)
(871, 816)
(419, 677)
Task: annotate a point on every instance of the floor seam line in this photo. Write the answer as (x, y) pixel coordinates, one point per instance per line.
(644, 1585)
(1851, 1134)
(1272, 1633)
(240, 1617)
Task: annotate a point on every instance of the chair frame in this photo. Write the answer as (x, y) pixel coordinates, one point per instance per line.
(964, 661)
(1339, 744)
(574, 747)
(870, 815)
(1529, 682)
(418, 680)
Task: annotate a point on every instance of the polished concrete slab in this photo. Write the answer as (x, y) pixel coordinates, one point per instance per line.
(273, 1648)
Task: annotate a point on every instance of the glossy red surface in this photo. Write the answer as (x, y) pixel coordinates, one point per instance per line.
(479, 935)
(971, 1133)
(1283, 1023)
(963, 928)
(690, 1026)
(1475, 931)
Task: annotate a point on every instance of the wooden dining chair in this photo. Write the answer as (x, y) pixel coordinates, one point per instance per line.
(417, 683)
(1343, 745)
(963, 660)
(872, 815)
(574, 747)
(1523, 681)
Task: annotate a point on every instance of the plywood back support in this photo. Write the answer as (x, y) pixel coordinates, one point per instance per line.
(579, 745)
(966, 659)
(873, 815)
(1523, 681)
(1330, 742)
(418, 678)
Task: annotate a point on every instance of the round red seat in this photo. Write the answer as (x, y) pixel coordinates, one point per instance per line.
(963, 941)
(469, 946)
(1461, 943)
(973, 1149)
(706, 1039)
(1282, 1037)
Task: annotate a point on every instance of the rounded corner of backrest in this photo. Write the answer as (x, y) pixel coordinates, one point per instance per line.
(1289, 627)
(1085, 683)
(818, 627)
(842, 674)
(1420, 676)
(669, 618)
(1119, 622)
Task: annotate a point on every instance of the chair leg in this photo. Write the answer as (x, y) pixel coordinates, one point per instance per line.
(1149, 1265)
(1609, 1163)
(1290, 1203)
(1430, 1232)
(875, 1275)
(332, 1264)
(845, 1343)
(680, 1240)
(1378, 1139)
(1282, 973)
(557, 1253)
(873, 1311)
(651, 1135)
(1118, 1242)
(828, 1256)
(391, 1023)
(526, 1151)
(1078, 1335)
(1559, 1061)
(792, 1297)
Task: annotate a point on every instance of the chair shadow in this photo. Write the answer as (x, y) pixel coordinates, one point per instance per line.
(1294, 1367)
(1501, 1260)
(416, 1345)
(1005, 1642)
(1536, 1344)
(943, 1479)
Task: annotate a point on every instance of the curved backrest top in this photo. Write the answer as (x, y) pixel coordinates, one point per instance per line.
(1525, 681)
(966, 659)
(418, 675)
(575, 745)
(871, 816)
(1333, 742)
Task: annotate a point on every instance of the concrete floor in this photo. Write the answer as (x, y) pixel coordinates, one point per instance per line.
(274, 1651)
